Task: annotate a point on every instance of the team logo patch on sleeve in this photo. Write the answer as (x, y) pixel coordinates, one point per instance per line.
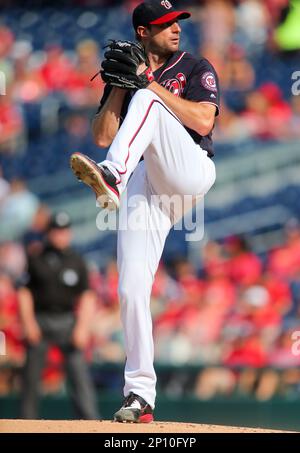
(208, 80)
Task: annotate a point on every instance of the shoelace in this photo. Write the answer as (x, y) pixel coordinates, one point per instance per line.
(133, 403)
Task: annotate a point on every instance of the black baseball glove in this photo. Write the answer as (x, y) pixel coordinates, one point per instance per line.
(126, 65)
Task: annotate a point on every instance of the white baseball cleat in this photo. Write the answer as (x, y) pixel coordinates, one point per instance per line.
(98, 178)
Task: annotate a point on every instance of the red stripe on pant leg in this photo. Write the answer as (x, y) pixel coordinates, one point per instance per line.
(135, 134)
(138, 130)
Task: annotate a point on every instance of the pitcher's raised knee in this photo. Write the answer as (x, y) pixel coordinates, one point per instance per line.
(145, 95)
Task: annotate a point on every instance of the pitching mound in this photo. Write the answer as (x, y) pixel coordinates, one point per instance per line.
(82, 426)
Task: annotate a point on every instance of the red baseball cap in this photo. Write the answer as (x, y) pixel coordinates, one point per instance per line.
(156, 12)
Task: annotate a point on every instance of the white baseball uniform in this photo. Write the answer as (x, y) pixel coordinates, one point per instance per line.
(173, 164)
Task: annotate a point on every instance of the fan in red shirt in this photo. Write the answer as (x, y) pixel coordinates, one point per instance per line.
(284, 261)
(244, 267)
(246, 351)
(11, 124)
(267, 114)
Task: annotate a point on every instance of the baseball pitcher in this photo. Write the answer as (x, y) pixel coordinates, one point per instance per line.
(156, 116)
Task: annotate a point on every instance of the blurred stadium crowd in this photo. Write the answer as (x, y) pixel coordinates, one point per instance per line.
(236, 313)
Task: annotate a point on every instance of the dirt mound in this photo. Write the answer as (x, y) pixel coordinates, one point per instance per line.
(83, 426)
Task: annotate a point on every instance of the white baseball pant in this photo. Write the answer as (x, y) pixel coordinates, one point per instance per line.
(173, 164)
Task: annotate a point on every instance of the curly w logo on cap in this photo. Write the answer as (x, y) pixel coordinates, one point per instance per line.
(166, 4)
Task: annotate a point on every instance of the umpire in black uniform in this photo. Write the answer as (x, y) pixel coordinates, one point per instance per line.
(56, 307)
